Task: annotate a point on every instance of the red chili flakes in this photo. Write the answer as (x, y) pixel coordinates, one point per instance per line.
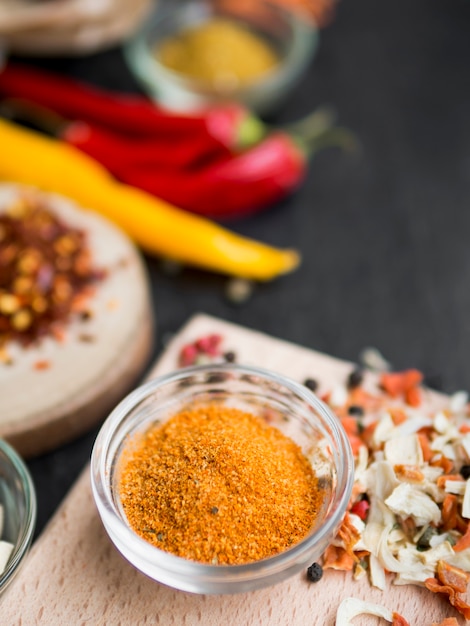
(403, 384)
(46, 272)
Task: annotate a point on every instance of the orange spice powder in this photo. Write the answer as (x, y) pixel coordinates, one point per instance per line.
(218, 485)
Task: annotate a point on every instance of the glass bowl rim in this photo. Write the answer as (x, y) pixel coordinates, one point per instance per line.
(305, 39)
(24, 539)
(102, 490)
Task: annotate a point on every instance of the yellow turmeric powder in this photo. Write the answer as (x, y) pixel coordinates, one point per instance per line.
(220, 52)
(218, 485)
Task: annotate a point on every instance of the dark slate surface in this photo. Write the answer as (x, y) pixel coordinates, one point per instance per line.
(384, 236)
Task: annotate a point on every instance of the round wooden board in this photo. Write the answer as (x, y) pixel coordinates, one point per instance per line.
(100, 358)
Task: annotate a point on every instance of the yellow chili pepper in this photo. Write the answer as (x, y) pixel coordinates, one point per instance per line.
(158, 227)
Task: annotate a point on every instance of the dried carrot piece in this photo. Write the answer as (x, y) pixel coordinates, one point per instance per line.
(337, 558)
(413, 396)
(368, 433)
(464, 428)
(441, 481)
(398, 416)
(451, 581)
(454, 598)
(399, 620)
(356, 442)
(449, 512)
(443, 462)
(349, 535)
(409, 473)
(398, 383)
(453, 576)
(359, 397)
(448, 621)
(43, 364)
(350, 425)
(425, 444)
(464, 541)
(461, 525)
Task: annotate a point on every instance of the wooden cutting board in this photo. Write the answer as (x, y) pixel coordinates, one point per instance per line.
(74, 575)
(82, 377)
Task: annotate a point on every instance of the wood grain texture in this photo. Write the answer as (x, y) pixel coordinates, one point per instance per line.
(100, 358)
(74, 575)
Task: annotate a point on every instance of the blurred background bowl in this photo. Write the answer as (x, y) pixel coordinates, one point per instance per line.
(292, 39)
(18, 498)
(71, 27)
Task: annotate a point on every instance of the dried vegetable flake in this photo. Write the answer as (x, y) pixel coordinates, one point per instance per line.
(408, 517)
(409, 514)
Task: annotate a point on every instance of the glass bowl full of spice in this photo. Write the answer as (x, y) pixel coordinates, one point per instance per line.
(196, 52)
(17, 513)
(221, 478)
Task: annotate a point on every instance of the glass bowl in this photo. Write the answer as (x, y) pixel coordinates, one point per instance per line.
(18, 498)
(291, 407)
(294, 40)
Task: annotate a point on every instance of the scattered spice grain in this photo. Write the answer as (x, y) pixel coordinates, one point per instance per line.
(239, 290)
(230, 356)
(356, 410)
(218, 485)
(355, 378)
(311, 384)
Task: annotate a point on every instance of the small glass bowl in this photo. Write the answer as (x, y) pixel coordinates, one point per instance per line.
(18, 498)
(294, 40)
(292, 408)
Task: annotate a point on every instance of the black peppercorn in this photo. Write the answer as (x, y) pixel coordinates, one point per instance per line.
(355, 378)
(465, 471)
(356, 410)
(311, 384)
(230, 356)
(314, 572)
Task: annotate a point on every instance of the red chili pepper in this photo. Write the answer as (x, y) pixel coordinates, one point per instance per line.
(228, 124)
(236, 186)
(251, 180)
(149, 148)
(117, 152)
